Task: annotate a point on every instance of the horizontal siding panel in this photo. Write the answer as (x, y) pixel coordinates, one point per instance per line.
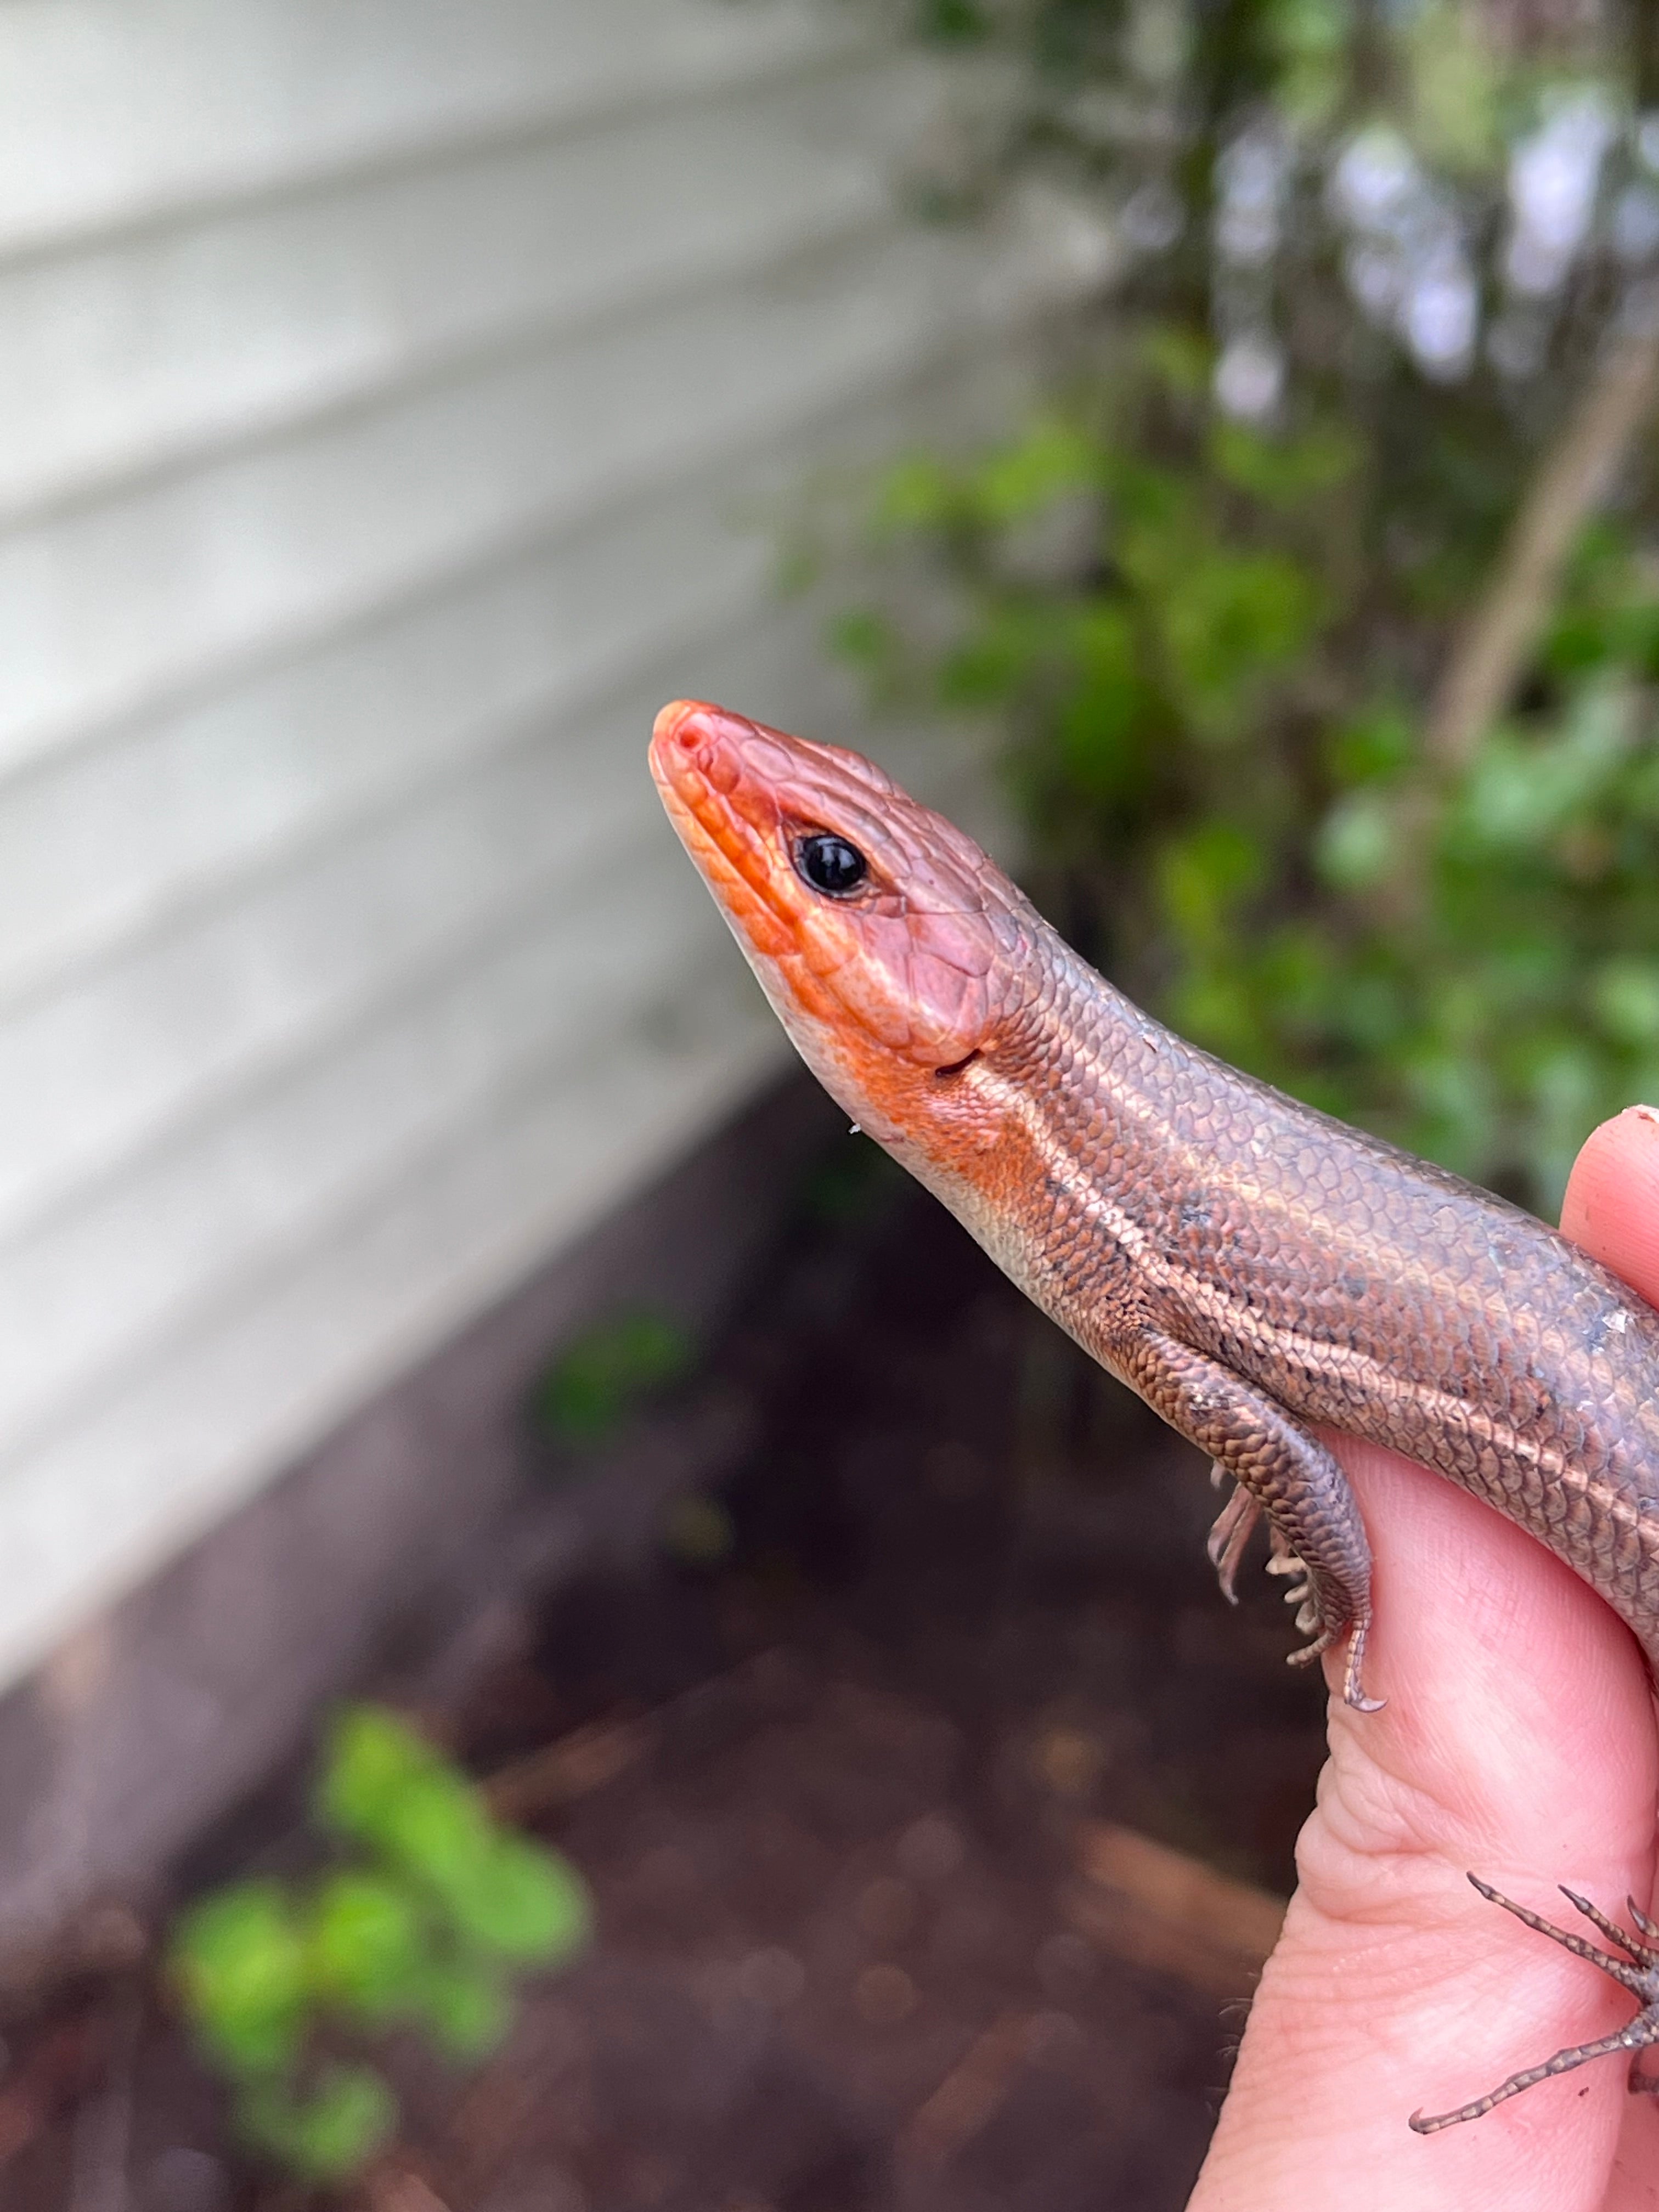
(235, 785)
(113, 113)
(128, 357)
(111, 1062)
(208, 1423)
(396, 397)
(148, 1259)
(551, 1078)
(97, 1071)
(102, 611)
(232, 785)
(578, 921)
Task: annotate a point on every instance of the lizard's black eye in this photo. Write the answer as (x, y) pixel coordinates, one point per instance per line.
(829, 864)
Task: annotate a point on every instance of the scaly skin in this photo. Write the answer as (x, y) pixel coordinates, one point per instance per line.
(1249, 1266)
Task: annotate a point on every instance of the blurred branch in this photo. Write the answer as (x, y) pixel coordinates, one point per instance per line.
(585, 1760)
(969, 2096)
(1165, 1909)
(1486, 664)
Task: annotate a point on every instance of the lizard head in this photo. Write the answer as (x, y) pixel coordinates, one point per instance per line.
(886, 941)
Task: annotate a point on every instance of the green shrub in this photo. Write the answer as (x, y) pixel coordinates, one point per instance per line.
(1363, 263)
(1203, 703)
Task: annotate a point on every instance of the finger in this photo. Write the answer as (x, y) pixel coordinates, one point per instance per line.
(1611, 1206)
(1611, 1209)
(1395, 1988)
(1509, 1686)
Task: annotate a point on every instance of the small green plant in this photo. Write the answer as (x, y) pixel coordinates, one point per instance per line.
(608, 1373)
(435, 1910)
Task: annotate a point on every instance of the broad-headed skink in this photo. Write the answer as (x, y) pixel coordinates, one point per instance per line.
(1248, 1264)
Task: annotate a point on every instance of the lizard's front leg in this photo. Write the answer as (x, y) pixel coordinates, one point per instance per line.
(1283, 1470)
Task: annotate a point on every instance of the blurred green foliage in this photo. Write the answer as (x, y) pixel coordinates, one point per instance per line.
(423, 1928)
(1231, 805)
(1363, 258)
(607, 1373)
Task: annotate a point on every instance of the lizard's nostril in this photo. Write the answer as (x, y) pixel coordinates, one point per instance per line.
(686, 723)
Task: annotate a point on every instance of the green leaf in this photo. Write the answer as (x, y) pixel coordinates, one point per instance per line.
(1457, 85)
(1625, 993)
(388, 1788)
(238, 1959)
(1356, 844)
(1309, 29)
(1373, 746)
(608, 1372)
(1579, 641)
(437, 1827)
(1521, 791)
(951, 22)
(1311, 38)
(1175, 357)
(524, 1902)
(1212, 1006)
(1160, 524)
(866, 640)
(997, 657)
(1050, 459)
(1236, 620)
(467, 2007)
(1633, 636)
(368, 1944)
(371, 1759)
(1456, 1107)
(1204, 875)
(918, 492)
(427, 1937)
(1098, 721)
(1283, 472)
(330, 2135)
(1565, 1086)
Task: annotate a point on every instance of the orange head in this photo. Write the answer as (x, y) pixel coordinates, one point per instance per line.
(887, 942)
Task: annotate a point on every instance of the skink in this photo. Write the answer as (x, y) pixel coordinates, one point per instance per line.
(1249, 1266)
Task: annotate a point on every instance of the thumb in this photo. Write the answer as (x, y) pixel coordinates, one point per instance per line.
(1518, 1740)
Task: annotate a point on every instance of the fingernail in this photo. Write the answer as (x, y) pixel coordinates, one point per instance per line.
(1643, 1114)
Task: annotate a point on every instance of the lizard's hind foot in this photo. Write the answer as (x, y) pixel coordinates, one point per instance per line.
(1636, 1971)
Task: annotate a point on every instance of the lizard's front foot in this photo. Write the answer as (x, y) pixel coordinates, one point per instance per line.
(1285, 1473)
(1318, 1615)
(1638, 1971)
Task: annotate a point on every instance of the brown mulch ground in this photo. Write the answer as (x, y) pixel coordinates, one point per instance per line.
(834, 1792)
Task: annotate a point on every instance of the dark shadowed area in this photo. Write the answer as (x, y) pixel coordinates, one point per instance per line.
(843, 1766)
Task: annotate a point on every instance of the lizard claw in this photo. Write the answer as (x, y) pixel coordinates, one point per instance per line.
(1312, 1619)
(1353, 1687)
(1234, 1526)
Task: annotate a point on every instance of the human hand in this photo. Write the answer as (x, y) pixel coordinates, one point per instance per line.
(1518, 1740)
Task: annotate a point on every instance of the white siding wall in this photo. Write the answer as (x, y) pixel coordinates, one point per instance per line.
(381, 380)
